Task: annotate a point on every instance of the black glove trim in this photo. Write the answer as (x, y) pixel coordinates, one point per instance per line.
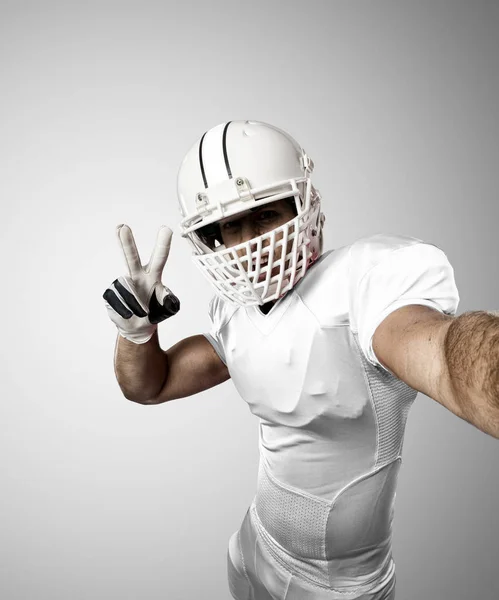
(129, 299)
(159, 312)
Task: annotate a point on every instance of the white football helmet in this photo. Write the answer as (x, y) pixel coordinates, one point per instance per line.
(234, 167)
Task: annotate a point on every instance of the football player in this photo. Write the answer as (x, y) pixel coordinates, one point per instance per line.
(328, 349)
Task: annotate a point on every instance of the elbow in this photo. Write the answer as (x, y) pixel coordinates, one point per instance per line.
(145, 400)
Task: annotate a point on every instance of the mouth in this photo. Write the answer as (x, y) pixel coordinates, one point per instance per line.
(263, 263)
(263, 275)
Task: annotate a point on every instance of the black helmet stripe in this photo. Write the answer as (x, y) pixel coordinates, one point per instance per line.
(224, 144)
(201, 160)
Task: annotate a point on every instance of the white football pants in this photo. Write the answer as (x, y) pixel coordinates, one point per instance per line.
(255, 575)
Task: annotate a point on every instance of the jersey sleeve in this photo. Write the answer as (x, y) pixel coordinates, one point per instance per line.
(215, 312)
(411, 272)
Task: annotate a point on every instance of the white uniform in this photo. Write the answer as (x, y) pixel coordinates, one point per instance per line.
(332, 421)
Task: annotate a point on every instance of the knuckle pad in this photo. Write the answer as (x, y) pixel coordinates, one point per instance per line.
(115, 304)
(160, 311)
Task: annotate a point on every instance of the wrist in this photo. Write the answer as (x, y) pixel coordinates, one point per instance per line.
(141, 336)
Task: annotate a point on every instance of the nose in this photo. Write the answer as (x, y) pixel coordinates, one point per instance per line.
(248, 232)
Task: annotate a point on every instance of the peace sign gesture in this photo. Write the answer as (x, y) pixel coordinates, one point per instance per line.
(137, 302)
(159, 254)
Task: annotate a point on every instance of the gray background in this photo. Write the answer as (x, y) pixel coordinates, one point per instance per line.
(397, 103)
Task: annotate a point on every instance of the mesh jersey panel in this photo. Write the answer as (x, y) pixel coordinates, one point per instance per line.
(392, 399)
(294, 518)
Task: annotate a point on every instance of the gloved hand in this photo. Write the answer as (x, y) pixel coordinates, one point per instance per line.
(137, 302)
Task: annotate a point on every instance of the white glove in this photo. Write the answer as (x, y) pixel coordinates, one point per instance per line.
(138, 302)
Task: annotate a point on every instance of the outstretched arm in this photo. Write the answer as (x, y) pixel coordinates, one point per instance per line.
(453, 360)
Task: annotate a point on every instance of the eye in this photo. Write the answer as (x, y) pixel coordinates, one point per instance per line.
(231, 225)
(266, 215)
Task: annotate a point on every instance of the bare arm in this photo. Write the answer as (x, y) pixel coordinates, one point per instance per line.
(453, 360)
(148, 375)
(471, 349)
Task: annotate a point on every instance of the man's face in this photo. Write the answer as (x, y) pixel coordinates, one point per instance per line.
(246, 226)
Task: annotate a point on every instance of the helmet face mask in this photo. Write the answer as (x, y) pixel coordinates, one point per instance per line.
(266, 267)
(215, 235)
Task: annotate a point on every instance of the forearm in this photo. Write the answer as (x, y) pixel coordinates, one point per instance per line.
(472, 355)
(141, 369)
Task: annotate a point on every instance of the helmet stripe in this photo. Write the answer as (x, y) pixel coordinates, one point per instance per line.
(224, 145)
(201, 160)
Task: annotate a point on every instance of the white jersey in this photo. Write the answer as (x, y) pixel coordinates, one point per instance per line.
(332, 418)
